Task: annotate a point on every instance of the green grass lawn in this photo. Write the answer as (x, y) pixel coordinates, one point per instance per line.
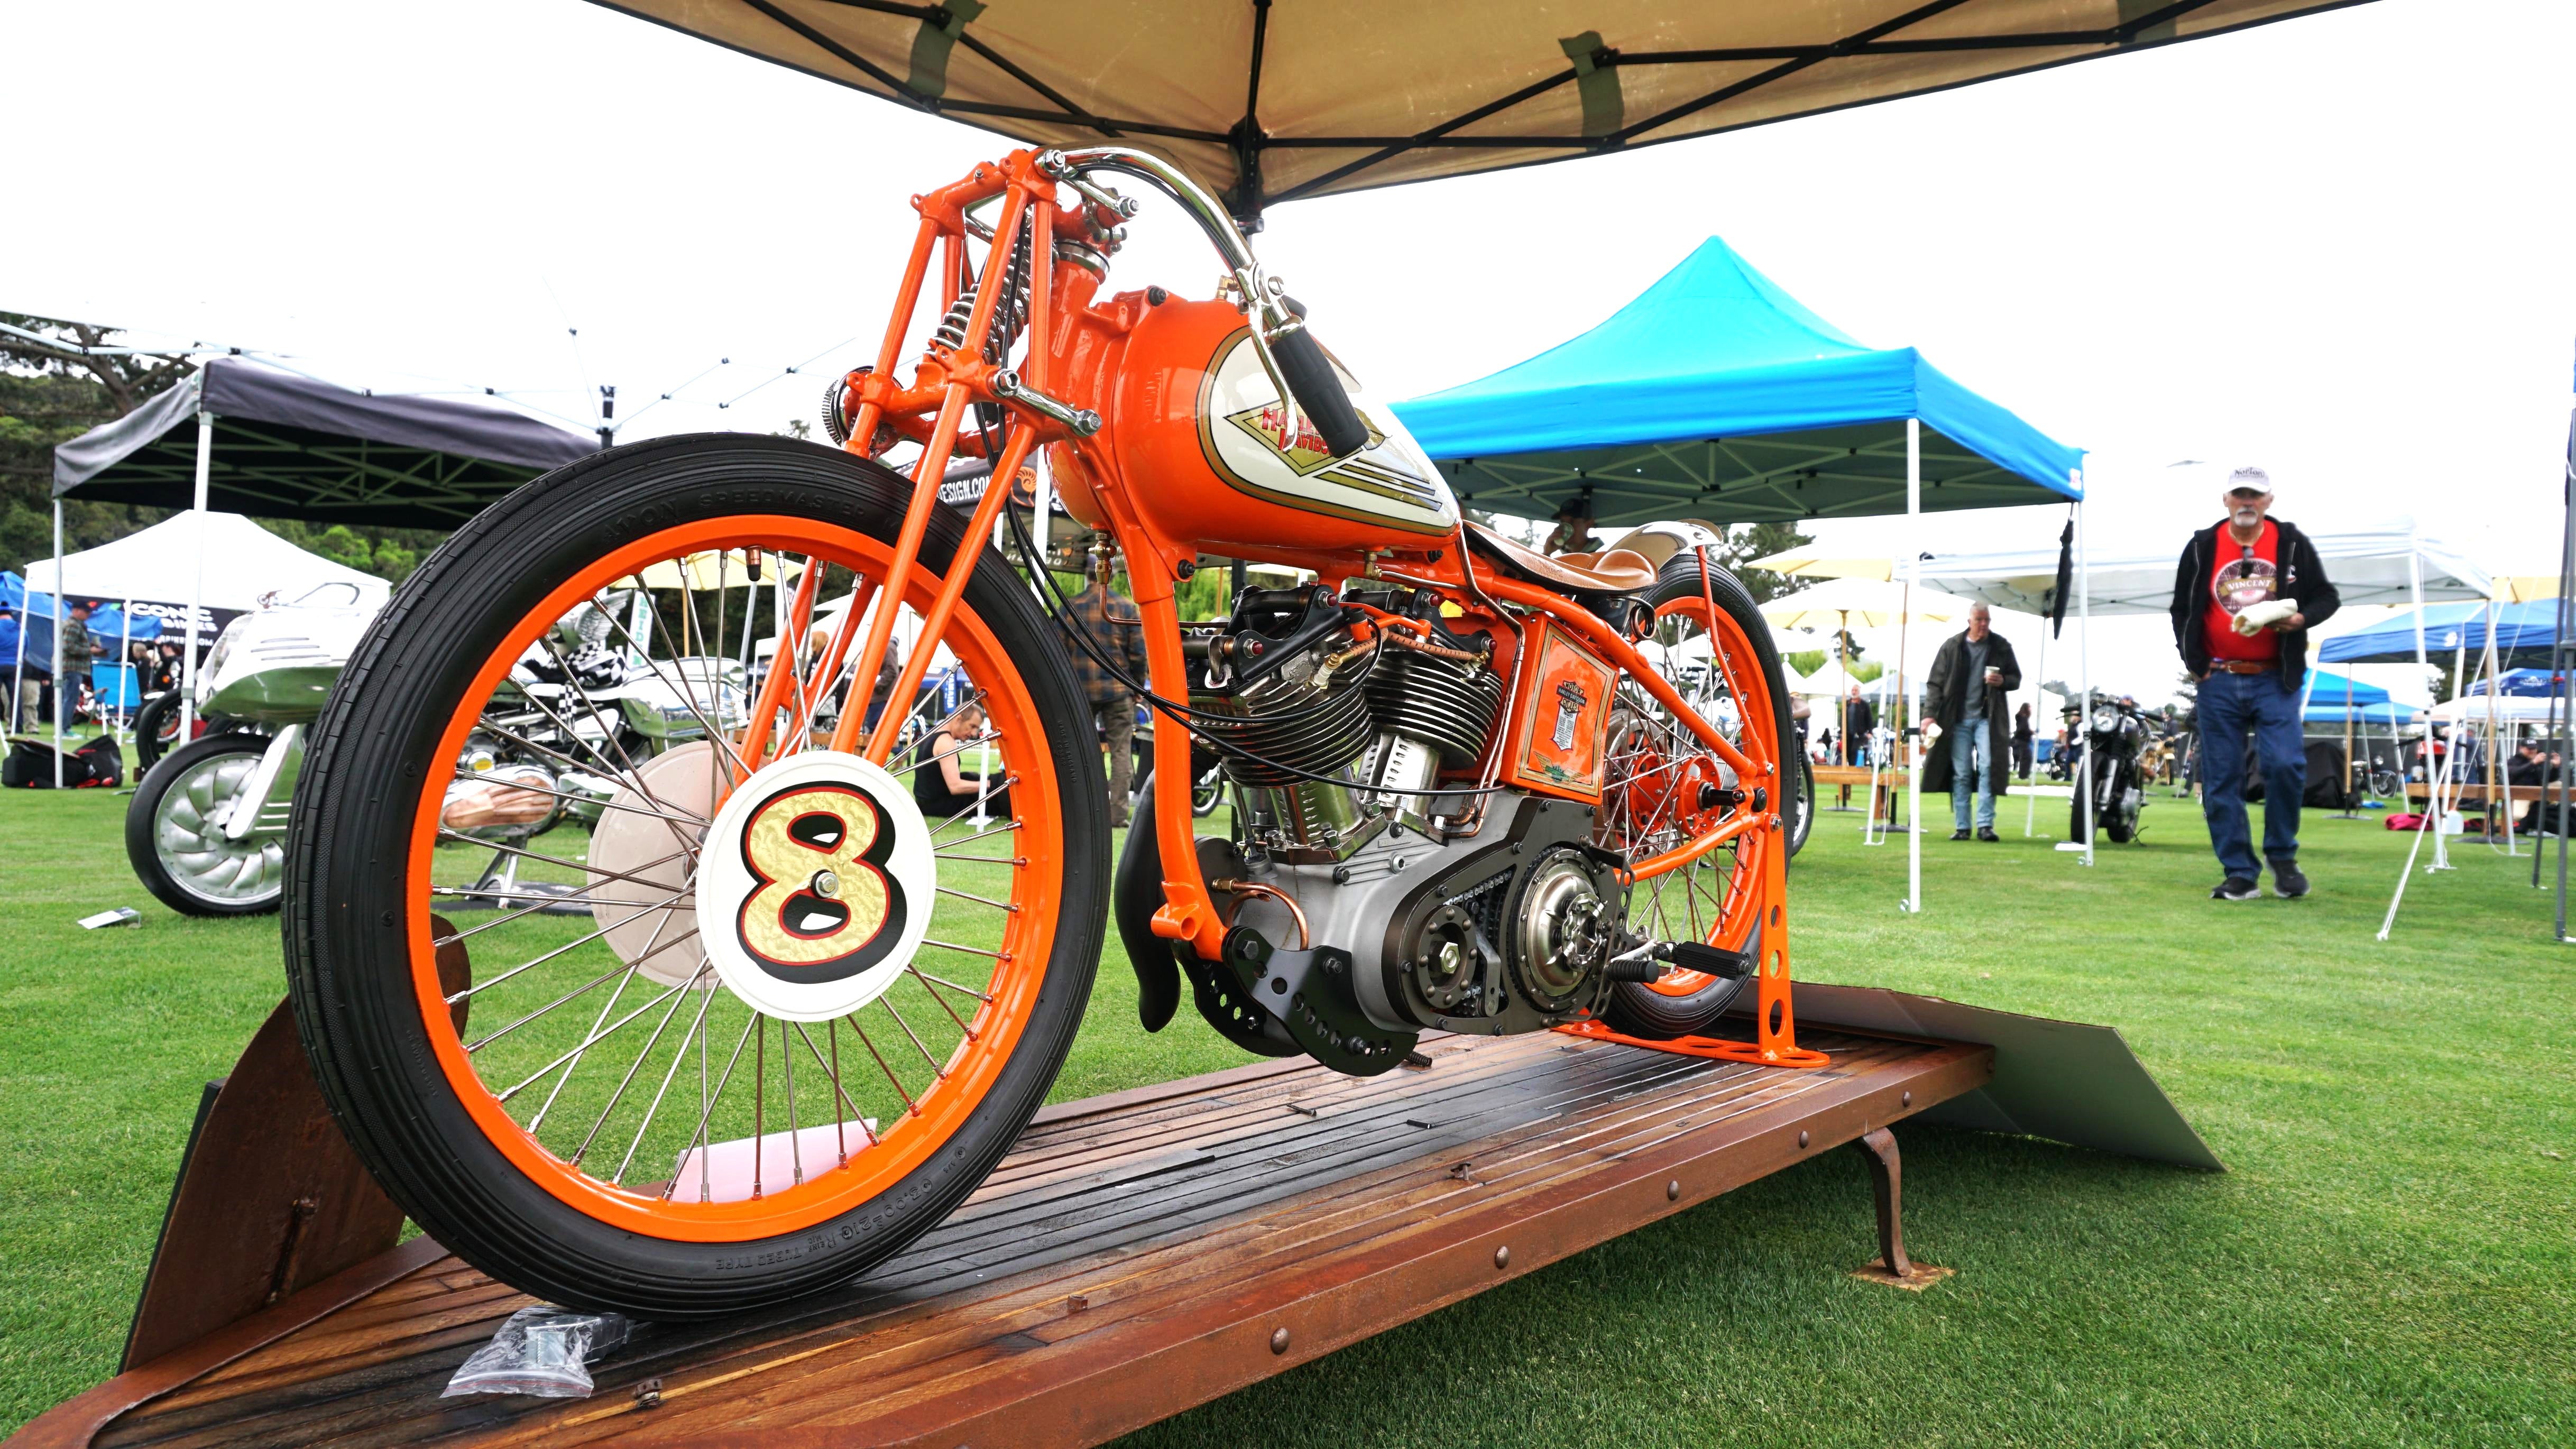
(2391, 1260)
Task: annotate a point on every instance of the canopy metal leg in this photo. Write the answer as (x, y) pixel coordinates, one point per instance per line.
(62, 671)
(197, 585)
(1913, 721)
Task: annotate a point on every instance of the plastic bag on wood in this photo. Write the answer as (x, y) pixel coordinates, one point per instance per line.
(544, 1351)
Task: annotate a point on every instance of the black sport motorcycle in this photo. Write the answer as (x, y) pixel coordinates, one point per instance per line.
(2115, 737)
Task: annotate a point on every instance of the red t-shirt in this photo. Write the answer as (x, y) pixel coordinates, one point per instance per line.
(2243, 576)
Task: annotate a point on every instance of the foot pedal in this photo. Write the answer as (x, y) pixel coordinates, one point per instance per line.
(1710, 960)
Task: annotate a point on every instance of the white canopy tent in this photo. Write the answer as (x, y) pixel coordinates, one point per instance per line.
(2389, 564)
(243, 563)
(2393, 563)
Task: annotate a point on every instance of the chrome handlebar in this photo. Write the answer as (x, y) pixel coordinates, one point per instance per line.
(1255, 286)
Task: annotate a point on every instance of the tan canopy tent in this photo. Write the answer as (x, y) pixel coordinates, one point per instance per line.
(1263, 101)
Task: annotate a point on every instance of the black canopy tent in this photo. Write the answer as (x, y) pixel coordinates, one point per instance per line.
(286, 446)
(275, 444)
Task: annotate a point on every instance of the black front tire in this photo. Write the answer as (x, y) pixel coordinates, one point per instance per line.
(159, 713)
(347, 915)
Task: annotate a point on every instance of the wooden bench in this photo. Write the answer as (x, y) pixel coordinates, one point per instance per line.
(1882, 800)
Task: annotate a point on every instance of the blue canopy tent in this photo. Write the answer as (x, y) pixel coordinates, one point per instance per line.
(1715, 395)
(2334, 697)
(2523, 684)
(2523, 633)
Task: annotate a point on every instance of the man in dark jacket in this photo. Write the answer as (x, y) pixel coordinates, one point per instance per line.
(1110, 621)
(2248, 590)
(1967, 698)
(1858, 721)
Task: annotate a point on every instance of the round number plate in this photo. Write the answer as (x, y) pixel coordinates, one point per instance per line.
(816, 885)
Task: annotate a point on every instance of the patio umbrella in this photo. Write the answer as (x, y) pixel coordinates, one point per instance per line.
(1814, 563)
(1869, 603)
(1262, 102)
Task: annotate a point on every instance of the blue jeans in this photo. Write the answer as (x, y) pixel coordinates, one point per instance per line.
(2231, 707)
(1970, 754)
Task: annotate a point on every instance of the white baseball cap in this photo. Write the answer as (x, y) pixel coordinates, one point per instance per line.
(2250, 479)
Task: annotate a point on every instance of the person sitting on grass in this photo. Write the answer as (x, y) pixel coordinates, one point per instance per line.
(941, 787)
(1965, 699)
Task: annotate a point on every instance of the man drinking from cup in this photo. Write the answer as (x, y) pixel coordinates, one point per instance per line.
(1966, 707)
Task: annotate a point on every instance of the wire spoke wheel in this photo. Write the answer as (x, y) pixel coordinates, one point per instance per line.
(1667, 788)
(743, 1015)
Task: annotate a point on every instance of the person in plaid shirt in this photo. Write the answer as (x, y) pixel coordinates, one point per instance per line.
(1114, 628)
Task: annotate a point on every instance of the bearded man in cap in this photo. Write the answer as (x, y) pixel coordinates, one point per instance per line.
(2249, 588)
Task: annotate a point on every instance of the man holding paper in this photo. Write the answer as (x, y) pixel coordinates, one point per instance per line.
(2247, 592)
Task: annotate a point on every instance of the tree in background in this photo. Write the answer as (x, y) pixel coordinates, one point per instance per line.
(1748, 541)
(53, 388)
(61, 379)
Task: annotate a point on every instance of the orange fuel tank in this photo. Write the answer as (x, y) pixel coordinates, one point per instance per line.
(1204, 450)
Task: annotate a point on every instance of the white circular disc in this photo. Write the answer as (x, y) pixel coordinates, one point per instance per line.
(815, 886)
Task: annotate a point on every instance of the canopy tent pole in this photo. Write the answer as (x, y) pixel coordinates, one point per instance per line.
(2080, 732)
(1879, 758)
(2445, 798)
(2493, 667)
(2431, 820)
(2038, 707)
(197, 585)
(125, 661)
(2562, 714)
(62, 691)
(2348, 811)
(18, 673)
(1906, 685)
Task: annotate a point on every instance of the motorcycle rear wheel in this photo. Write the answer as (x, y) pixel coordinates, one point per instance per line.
(1719, 899)
(536, 1145)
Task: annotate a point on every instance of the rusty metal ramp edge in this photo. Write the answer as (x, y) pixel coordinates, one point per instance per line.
(2064, 1080)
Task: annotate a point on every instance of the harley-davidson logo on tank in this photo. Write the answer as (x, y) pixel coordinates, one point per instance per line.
(1259, 445)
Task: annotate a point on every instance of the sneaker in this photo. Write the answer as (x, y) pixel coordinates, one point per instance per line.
(1958, 835)
(2287, 882)
(2237, 888)
(1988, 835)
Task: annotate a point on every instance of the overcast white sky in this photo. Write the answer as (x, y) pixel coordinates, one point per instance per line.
(2338, 246)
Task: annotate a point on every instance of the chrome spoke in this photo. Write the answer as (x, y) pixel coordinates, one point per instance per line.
(713, 733)
(951, 985)
(934, 995)
(590, 1041)
(637, 1065)
(896, 1082)
(935, 1068)
(575, 943)
(650, 945)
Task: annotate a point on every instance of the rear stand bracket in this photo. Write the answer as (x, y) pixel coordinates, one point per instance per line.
(1887, 1184)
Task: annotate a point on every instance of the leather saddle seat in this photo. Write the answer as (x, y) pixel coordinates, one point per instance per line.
(1615, 570)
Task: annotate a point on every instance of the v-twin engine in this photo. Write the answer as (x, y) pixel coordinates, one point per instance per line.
(1376, 891)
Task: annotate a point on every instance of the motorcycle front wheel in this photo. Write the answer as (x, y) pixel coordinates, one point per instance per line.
(648, 1109)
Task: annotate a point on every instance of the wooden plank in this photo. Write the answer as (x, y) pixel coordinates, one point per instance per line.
(1133, 1256)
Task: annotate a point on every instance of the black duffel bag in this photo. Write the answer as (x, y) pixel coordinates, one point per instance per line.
(98, 765)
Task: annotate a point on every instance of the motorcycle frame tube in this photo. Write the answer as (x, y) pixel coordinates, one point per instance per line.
(1189, 914)
(998, 1023)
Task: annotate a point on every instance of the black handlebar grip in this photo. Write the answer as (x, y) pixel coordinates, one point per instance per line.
(1318, 390)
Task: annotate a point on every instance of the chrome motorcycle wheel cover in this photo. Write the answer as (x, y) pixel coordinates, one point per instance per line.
(188, 836)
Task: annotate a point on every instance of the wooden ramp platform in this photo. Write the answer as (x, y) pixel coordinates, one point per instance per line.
(1137, 1254)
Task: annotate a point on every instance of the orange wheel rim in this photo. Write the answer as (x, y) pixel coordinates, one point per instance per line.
(981, 1027)
(1716, 899)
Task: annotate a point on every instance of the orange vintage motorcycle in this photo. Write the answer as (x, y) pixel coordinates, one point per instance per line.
(1474, 788)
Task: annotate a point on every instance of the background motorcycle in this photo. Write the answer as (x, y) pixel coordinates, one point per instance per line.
(206, 827)
(2115, 736)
